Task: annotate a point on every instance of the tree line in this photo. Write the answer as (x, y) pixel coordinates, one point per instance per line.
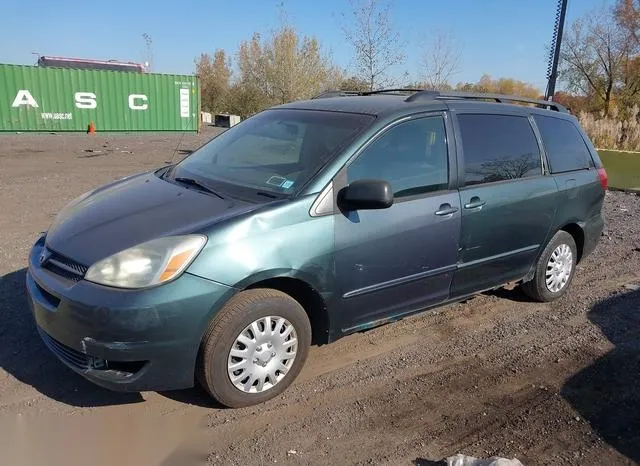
(285, 65)
(599, 68)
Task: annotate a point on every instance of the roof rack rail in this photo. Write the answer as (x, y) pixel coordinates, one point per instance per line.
(423, 94)
(400, 89)
(342, 93)
(436, 95)
(336, 93)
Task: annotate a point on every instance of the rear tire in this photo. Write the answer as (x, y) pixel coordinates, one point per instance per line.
(554, 270)
(266, 335)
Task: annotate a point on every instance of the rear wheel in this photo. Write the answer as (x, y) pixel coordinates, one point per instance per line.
(254, 348)
(554, 270)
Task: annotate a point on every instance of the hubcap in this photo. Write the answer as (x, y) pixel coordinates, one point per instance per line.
(262, 354)
(559, 268)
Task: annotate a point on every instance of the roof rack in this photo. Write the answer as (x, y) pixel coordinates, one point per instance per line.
(437, 95)
(341, 93)
(397, 91)
(336, 93)
(423, 94)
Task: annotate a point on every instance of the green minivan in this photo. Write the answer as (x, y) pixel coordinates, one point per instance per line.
(307, 222)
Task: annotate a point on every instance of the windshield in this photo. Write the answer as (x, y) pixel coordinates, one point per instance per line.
(276, 151)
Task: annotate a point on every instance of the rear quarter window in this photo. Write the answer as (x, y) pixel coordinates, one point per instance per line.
(566, 150)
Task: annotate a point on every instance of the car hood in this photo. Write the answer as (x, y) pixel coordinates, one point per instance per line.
(131, 211)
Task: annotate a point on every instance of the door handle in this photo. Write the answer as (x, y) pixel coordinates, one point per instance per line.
(446, 209)
(474, 203)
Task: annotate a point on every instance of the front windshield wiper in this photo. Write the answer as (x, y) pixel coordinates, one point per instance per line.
(197, 184)
(269, 195)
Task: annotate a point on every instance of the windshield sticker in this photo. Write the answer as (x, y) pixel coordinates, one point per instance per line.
(287, 184)
(276, 181)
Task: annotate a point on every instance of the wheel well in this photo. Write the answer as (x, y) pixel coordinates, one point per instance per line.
(578, 236)
(308, 298)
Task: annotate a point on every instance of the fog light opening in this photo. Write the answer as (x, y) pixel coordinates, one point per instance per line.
(123, 368)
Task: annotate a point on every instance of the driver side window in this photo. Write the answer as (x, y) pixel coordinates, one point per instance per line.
(412, 156)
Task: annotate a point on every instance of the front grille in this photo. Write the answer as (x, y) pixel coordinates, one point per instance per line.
(74, 358)
(63, 272)
(65, 267)
(65, 261)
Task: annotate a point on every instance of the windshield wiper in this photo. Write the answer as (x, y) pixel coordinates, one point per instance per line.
(197, 184)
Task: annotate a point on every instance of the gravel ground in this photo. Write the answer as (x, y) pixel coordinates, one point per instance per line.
(497, 375)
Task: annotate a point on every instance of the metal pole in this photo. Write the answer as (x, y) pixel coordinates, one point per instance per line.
(559, 28)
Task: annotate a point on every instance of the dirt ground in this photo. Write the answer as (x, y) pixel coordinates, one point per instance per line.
(497, 375)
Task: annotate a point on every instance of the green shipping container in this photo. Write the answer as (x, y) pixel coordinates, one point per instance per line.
(57, 99)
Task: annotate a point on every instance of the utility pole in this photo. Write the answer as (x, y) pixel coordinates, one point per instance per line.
(552, 69)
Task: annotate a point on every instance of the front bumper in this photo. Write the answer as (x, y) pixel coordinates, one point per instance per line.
(125, 340)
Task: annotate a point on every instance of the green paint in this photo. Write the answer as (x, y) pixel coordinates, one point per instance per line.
(57, 99)
(623, 168)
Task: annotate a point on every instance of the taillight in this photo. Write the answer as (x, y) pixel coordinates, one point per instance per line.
(602, 174)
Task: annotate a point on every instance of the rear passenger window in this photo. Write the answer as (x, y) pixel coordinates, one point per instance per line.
(498, 147)
(411, 156)
(566, 150)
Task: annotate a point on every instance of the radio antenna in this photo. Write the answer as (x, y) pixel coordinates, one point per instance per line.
(175, 151)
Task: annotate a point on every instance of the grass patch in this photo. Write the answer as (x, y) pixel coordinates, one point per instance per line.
(623, 168)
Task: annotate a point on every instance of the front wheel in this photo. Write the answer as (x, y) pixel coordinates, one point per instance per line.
(254, 348)
(554, 270)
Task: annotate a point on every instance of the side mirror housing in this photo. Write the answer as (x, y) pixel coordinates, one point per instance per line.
(366, 195)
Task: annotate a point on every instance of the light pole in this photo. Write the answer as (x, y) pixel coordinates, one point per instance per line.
(554, 57)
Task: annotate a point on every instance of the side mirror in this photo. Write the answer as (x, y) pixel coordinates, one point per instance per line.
(366, 194)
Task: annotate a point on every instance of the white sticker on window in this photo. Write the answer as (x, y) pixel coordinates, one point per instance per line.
(276, 181)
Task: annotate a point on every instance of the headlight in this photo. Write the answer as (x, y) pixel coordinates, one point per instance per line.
(147, 264)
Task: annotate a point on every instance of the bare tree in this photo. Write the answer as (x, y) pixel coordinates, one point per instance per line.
(440, 60)
(375, 42)
(506, 168)
(627, 17)
(627, 14)
(594, 55)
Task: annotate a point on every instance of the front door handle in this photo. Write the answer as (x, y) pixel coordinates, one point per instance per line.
(474, 203)
(446, 209)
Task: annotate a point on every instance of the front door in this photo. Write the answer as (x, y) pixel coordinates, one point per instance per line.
(393, 261)
(508, 203)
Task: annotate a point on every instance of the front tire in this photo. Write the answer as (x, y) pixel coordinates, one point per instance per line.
(254, 348)
(554, 270)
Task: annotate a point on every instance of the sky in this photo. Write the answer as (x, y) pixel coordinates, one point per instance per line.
(502, 38)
